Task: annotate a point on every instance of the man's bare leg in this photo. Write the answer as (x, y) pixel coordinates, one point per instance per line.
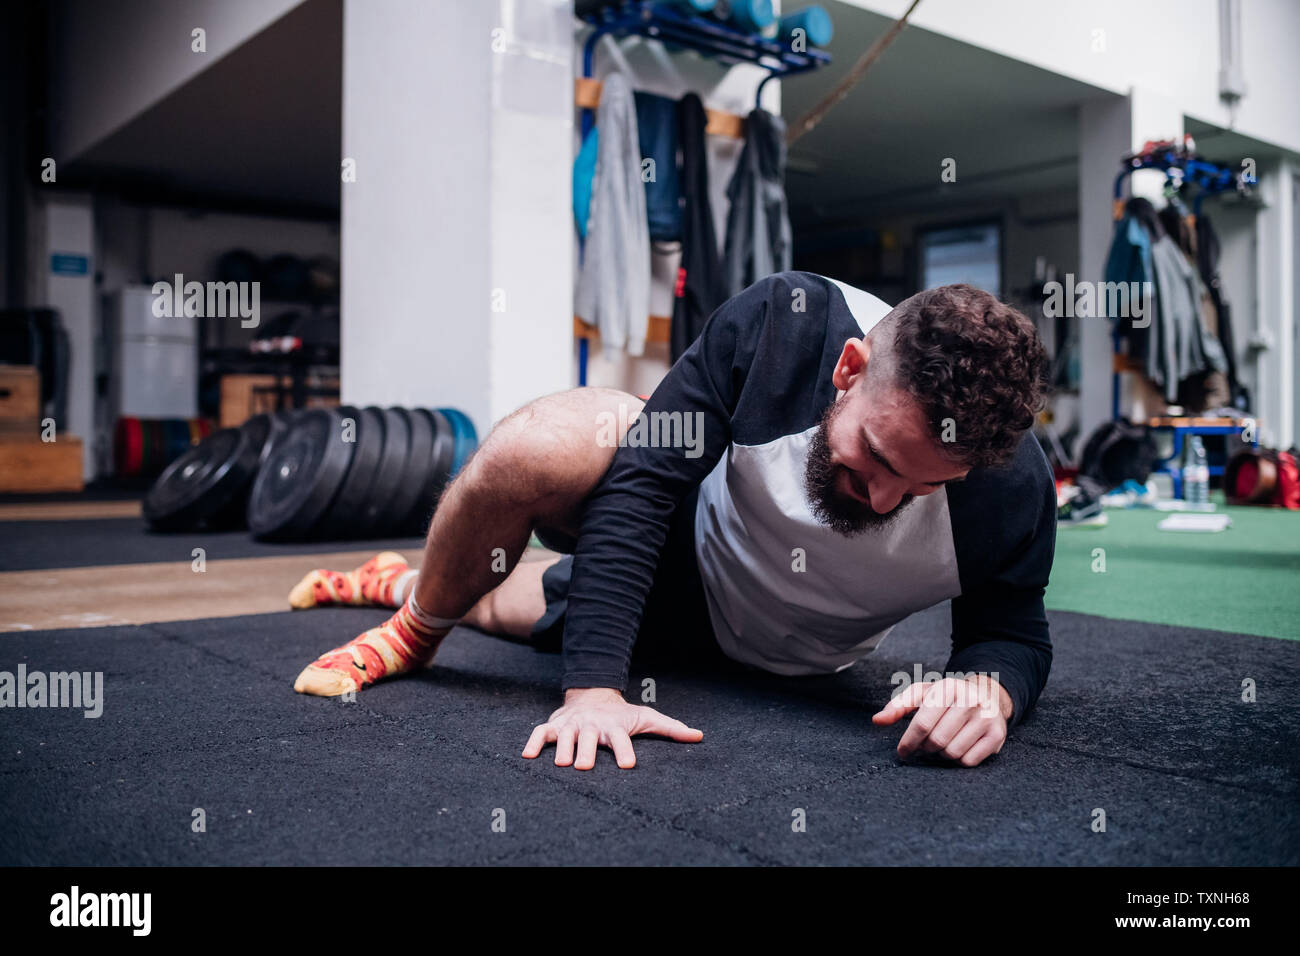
(534, 469)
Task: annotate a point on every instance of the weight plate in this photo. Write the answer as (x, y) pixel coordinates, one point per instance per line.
(439, 466)
(258, 430)
(444, 453)
(397, 437)
(300, 476)
(466, 437)
(440, 470)
(171, 450)
(280, 424)
(199, 485)
(415, 473)
(146, 446)
(343, 521)
(158, 429)
(180, 439)
(166, 442)
(129, 446)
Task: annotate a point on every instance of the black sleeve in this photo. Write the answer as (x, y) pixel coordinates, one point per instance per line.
(1004, 529)
(626, 519)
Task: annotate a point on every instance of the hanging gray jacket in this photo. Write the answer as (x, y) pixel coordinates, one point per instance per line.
(1186, 346)
(758, 241)
(614, 280)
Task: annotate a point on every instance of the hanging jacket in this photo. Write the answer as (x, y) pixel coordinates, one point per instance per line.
(656, 124)
(758, 241)
(1129, 261)
(613, 290)
(1176, 344)
(700, 288)
(584, 171)
(1186, 346)
(1207, 260)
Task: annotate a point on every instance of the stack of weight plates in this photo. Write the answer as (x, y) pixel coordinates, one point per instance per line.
(323, 474)
(142, 447)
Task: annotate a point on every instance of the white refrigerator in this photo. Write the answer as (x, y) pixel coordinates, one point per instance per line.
(155, 359)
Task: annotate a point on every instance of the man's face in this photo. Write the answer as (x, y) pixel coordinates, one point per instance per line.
(870, 457)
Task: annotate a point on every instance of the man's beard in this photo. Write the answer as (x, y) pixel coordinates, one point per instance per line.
(841, 513)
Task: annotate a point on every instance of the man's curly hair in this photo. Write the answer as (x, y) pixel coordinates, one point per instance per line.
(965, 356)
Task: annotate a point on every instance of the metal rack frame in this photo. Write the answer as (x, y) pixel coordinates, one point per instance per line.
(681, 28)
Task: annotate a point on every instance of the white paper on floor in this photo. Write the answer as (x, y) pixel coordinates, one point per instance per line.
(1195, 522)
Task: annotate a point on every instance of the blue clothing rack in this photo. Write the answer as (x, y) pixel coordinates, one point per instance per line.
(1210, 179)
(679, 27)
(1181, 168)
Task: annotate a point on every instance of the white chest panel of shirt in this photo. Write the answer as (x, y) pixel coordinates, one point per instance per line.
(789, 595)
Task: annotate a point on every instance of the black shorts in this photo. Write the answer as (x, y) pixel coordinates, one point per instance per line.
(675, 627)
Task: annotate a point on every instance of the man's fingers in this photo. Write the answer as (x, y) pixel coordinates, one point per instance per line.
(621, 744)
(588, 739)
(919, 729)
(603, 726)
(965, 739)
(900, 706)
(564, 746)
(990, 743)
(947, 729)
(653, 722)
(542, 735)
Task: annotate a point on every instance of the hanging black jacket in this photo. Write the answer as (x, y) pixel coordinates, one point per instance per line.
(1207, 261)
(700, 288)
(758, 240)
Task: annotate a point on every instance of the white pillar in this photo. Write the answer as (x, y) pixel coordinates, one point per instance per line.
(1275, 321)
(456, 235)
(532, 203)
(1105, 134)
(1108, 129)
(67, 265)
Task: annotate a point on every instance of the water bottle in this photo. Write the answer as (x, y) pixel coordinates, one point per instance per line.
(1196, 474)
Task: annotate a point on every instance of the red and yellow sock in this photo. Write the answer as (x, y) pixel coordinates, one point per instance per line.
(403, 643)
(382, 581)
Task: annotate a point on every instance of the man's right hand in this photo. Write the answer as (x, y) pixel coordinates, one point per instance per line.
(599, 716)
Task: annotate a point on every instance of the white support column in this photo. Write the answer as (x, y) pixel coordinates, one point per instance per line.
(1105, 134)
(532, 203)
(456, 234)
(1274, 330)
(1109, 128)
(67, 267)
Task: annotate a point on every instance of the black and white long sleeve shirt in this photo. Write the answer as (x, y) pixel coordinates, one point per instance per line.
(755, 385)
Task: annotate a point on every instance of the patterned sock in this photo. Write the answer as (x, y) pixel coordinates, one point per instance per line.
(382, 581)
(403, 643)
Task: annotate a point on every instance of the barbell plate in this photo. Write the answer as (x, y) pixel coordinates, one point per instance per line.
(300, 477)
(198, 488)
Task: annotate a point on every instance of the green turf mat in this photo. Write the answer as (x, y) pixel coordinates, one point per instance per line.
(1245, 579)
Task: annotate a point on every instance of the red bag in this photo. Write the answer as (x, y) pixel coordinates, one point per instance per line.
(1263, 477)
(1287, 494)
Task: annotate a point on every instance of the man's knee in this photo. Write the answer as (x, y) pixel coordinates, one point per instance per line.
(556, 446)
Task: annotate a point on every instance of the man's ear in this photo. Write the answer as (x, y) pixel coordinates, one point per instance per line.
(852, 364)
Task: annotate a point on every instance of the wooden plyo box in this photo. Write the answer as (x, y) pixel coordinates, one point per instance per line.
(28, 464)
(20, 399)
(243, 396)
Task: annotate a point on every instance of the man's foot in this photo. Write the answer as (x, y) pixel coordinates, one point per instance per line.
(397, 646)
(374, 583)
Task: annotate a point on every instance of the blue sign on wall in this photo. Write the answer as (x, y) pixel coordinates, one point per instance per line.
(69, 264)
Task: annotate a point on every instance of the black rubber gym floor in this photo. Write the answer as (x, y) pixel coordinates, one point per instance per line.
(37, 545)
(1144, 722)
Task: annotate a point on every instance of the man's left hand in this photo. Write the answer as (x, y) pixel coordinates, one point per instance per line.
(958, 719)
